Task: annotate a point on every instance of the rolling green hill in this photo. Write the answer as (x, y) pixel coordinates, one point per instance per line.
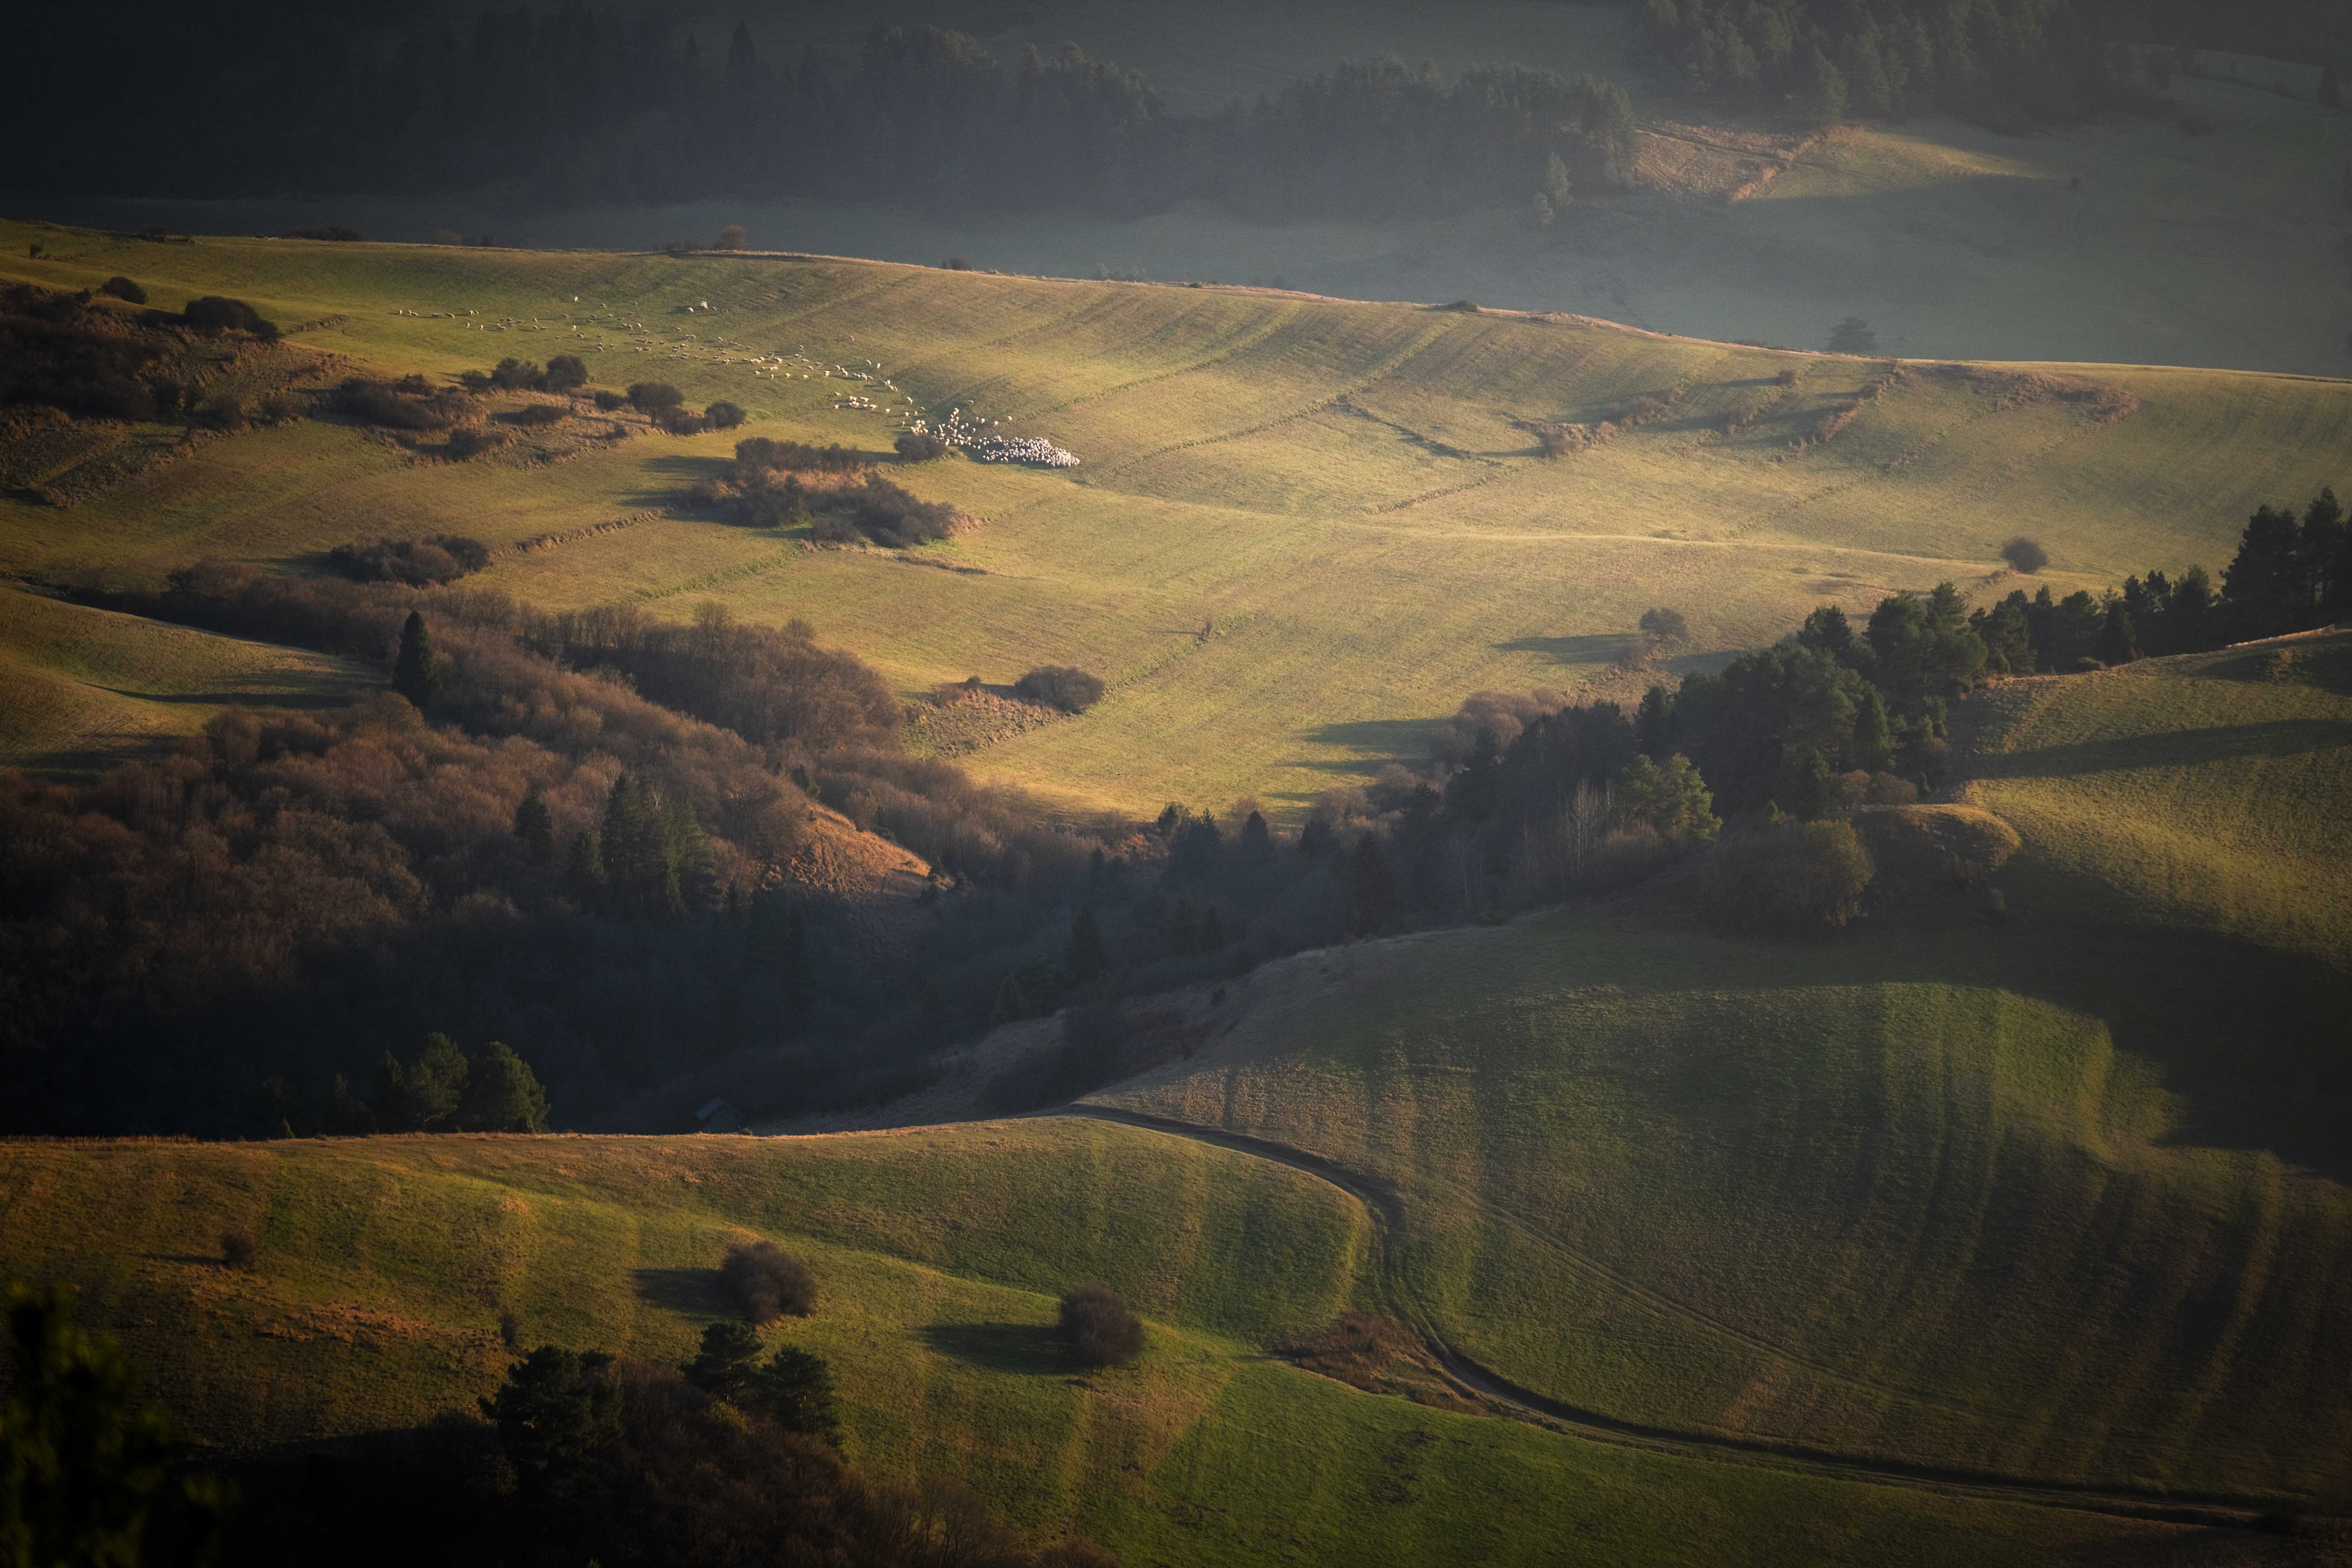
(384, 1266)
(1339, 495)
(2063, 1196)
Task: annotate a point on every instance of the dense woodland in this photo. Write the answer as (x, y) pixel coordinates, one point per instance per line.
(575, 104)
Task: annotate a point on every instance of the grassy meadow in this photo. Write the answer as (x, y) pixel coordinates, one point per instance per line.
(384, 1266)
(1304, 528)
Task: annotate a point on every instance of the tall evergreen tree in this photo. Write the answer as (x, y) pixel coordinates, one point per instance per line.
(2264, 585)
(727, 1361)
(2118, 641)
(535, 826)
(1872, 748)
(416, 669)
(1086, 959)
(436, 1081)
(796, 1387)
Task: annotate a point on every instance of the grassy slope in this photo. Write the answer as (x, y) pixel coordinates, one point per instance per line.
(1366, 563)
(81, 687)
(2212, 792)
(2064, 1197)
(384, 1264)
(1943, 1223)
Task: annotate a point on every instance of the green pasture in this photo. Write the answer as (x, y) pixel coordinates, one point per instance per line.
(1338, 493)
(383, 1265)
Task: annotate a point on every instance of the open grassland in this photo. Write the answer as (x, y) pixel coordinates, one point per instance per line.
(1781, 1196)
(383, 1265)
(82, 688)
(1340, 496)
(2211, 791)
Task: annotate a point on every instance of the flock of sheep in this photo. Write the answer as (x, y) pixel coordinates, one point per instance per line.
(974, 438)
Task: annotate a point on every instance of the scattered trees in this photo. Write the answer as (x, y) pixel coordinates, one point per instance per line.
(765, 1282)
(1099, 1329)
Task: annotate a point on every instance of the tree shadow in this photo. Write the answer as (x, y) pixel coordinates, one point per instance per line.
(1402, 739)
(689, 1292)
(2174, 749)
(1030, 1349)
(1599, 647)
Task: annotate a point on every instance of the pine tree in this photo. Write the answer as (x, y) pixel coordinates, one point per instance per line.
(2321, 552)
(2118, 641)
(390, 1101)
(501, 1094)
(796, 1387)
(416, 670)
(1012, 1004)
(1825, 90)
(535, 826)
(435, 1080)
(1557, 189)
(2262, 584)
(1086, 959)
(1827, 630)
(1872, 748)
(727, 1361)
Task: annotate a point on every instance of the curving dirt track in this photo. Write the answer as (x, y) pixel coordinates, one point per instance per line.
(1500, 1396)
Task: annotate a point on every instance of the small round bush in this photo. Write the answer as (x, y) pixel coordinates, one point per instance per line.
(237, 1249)
(124, 289)
(542, 413)
(723, 415)
(1099, 1329)
(654, 397)
(765, 1282)
(566, 372)
(1059, 686)
(2026, 554)
(920, 447)
(608, 400)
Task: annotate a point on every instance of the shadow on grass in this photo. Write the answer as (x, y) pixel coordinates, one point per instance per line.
(2220, 743)
(1026, 1348)
(689, 1292)
(1597, 648)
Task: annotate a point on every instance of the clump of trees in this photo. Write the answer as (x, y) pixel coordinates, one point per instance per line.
(1059, 686)
(441, 1090)
(765, 1282)
(438, 558)
(887, 514)
(919, 447)
(2288, 575)
(1099, 1329)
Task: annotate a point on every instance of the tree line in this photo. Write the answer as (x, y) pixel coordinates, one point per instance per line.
(2007, 63)
(577, 103)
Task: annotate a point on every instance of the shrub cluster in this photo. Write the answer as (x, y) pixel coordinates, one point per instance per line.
(58, 349)
(122, 288)
(563, 372)
(765, 1282)
(884, 513)
(1059, 686)
(412, 403)
(215, 314)
(920, 447)
(1099, 1329)
(435, 559)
